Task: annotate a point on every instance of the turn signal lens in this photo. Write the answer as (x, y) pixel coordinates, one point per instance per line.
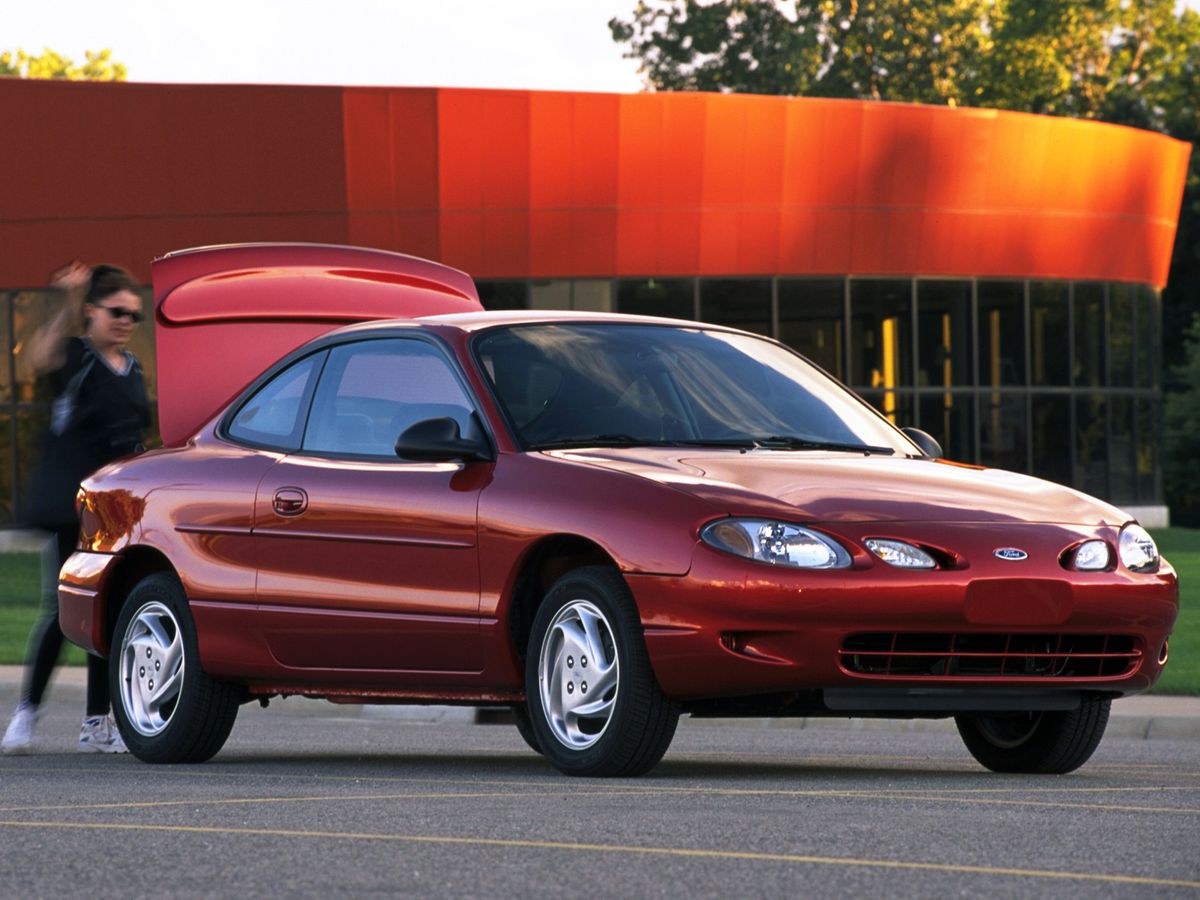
(1092, 556)
(777, 543)
(1138, 551)
(900, 554)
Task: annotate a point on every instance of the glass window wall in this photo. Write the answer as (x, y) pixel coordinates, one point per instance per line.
(673, 298)
(1001, 333)
(1051, 414)
(738, 303)
(880, 334)
(1091, 444)
(503, 294)
(1121, 306)
(950, 417)
(1003, 431)
(1148, 346)
(944, 335)
(1049, 334)
(811, 313)
(1088, 304)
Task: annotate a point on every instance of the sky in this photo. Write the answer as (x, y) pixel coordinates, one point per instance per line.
(536, 44)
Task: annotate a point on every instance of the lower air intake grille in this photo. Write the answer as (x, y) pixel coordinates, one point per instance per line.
(898, 655)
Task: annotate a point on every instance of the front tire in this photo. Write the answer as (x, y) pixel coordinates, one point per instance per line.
(594, 703)
(168, 709)
(1047, 743)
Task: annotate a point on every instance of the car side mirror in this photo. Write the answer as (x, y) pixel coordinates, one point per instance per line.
(439, 440)
(926, 441)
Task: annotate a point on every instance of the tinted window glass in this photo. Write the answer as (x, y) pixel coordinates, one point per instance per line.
(1049, 333)
(1122, 463)
(738, 303)
(810, 321)
(1089, 335)
(671, 298)
(640, 384)
(950, 418)
(274, 416)
(1120, 335)
(1001, 333)
(1091, 426)
(502, 294)
(1052, 437)
(1148, 341)
(943, 334)
(880, 334)
(1002, 431)
(371, 391)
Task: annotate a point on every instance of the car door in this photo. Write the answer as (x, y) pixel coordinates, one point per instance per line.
(367, 561)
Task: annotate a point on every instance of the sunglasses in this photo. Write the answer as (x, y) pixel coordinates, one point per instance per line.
(118, 312)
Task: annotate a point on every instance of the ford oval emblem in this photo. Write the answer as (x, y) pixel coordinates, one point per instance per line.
(1010, 553)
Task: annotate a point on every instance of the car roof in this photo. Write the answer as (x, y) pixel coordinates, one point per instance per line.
(478, 321)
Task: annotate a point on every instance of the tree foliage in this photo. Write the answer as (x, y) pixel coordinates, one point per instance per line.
(1181, 434)
(97, 66)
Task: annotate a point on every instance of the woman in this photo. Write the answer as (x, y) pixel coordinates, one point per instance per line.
(99, 414)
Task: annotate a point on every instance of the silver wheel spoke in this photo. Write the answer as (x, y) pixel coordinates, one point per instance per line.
(152, 662)
(578, 673)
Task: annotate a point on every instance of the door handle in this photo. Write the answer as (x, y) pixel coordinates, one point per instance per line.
(290, 501)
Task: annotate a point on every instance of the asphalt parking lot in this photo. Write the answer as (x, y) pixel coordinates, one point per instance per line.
(312, 799)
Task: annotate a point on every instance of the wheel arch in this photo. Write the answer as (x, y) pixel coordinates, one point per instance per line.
(133, 565)
(543, 564)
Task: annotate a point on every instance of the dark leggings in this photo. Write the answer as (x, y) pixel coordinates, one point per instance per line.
(45, 643)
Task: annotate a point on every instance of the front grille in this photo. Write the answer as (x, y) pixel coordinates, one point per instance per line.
(899, 655)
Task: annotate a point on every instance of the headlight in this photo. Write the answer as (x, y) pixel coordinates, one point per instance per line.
(1092, 556)
(1138, 551)
(777, 543)
(900, 554)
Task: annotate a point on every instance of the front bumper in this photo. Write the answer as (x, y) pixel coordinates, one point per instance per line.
(733, 628)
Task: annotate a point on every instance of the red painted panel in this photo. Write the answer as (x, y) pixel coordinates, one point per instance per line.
(594, 132)
(370, 172)
(656, 184)
(549, 162)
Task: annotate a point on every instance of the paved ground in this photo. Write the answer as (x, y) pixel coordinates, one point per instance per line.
(312, 799)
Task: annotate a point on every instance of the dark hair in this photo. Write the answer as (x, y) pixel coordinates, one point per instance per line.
(108, 280)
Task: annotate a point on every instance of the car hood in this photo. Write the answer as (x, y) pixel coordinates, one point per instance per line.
(820, 486)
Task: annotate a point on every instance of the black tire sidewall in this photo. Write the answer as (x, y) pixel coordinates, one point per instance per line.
(603, 589)
(176, 741)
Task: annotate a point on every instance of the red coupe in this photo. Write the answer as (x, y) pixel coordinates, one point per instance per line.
(603, 521)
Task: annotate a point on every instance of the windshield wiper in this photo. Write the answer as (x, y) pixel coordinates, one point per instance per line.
(594, 440)
(788, 442)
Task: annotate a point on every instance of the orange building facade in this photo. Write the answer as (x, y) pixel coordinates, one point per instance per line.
(992, 277)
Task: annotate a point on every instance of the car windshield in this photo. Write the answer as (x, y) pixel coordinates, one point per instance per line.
(619, 384)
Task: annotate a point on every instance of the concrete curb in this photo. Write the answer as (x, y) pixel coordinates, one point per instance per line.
(1148, 717)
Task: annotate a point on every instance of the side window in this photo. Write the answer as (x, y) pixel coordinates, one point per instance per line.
(371, 391)
(274, 416)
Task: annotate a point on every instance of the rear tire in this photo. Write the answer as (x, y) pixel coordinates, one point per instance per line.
(594, 703)
(1048, 743)
(168, 709)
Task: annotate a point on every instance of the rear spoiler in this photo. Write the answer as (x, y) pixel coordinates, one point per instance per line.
(223, 314)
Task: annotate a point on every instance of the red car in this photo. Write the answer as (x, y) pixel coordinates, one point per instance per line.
(603, 521)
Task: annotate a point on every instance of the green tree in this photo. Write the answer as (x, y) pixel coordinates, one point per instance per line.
(1181, 434)
(98, 66)
(876, 49)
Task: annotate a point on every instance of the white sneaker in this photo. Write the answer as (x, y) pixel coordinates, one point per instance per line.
(19, 736)
(99, 734)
